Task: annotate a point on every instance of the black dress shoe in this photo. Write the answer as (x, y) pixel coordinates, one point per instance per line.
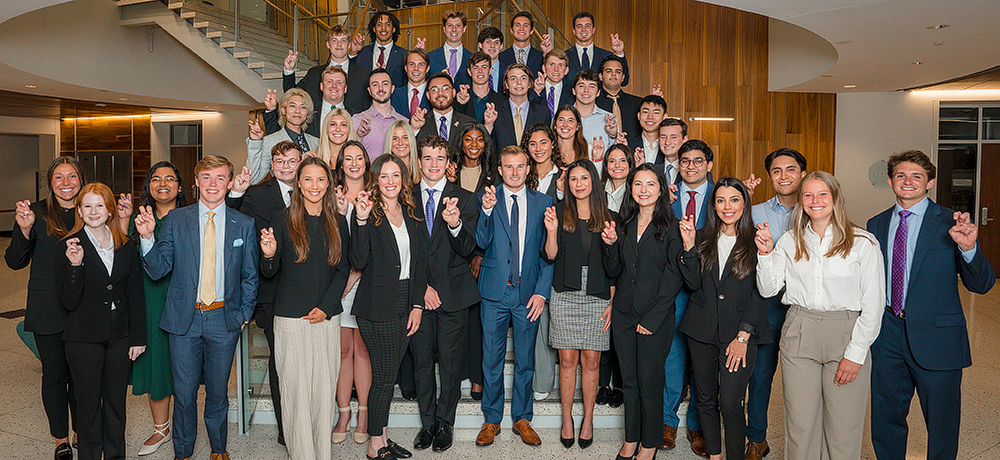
(64, 451)
(617, 397)
(382, 454)
(281, 438)
(602, 396)
(585, 443)
(397, 450)
(425, 437)
(567, 442)
(476, 395)
(443, 437)
(408, 394)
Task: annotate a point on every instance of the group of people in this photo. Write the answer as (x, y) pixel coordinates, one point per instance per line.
(446, 197)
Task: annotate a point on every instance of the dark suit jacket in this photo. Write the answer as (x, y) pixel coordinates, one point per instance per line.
(356, 100)
(569, 262)
(648, 277)
(88, 292)
(374, 250)
(719, 309)
(178, 250)
(439, 62)
(431, 124)
(534, 61)
(448, 256)
(401, 101)
(703, 212)
(395, 64)
(44, 314)
(934, 317)
(566, 97)
(470, 109)
(503, 129)
(260, 202)
(629, 106)
(595, 64)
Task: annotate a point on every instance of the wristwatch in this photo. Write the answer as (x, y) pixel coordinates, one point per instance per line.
(740, 339)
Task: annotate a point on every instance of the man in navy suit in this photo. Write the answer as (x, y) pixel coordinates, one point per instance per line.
(383, 52)
(472, 101)
(452, 56)
(491, 42)
(924, 343)
(522, 25)
(442, 119)
(212, 252)
(584, 55)
(517, 113)
(624, 106)
(652, 110)
(356, 98)
(514, 282)
(673, 135)
(412, 96)
(549, 87)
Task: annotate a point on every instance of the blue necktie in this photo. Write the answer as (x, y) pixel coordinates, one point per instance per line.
(515, 255)
(586, 59)
(429, 210)
(298, 138)
(443, 129)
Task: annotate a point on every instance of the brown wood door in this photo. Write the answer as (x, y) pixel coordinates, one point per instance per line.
(185, 158)
(989, 203)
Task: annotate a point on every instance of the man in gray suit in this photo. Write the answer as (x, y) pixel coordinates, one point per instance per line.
(295, 113)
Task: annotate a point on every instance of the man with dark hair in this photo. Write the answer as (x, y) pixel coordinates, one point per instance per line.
(598, 124)
(452, 57)
(673, 134)
(924, 344)
(584, 55)
(550, 86)
(442, 119)
(382, 52)
(785, 168)
(652, 110)
(473, 103)
(373, 124)
(522, 25)
(622, 105)
(338, 42)
(491, 42)
(409, 98)
(451, 214)
(516, 113)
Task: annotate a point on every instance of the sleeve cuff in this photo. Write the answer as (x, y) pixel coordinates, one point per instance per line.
(235, 194)
(292, 72)
(856, 353)
(146, 245)
(967, 256)
(748, 328)
(457, 230)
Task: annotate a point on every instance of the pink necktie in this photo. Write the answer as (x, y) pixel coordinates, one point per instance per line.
(414, 102)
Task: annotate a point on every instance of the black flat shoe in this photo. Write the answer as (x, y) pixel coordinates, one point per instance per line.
(64, 452)
(443, 437)
(476, 395)
(397, 450)
(408, 394)
(602, 396)
(617, 398)
(425, 437)
(281, 439)
(382, 454)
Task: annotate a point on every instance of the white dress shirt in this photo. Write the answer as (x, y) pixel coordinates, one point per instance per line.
(376, 51)
(439, 187)
(724, 247)
(522, 215)
(557, 94)
(545, 182)
(403, 243)
(107, 255)
(286, 192)
(437, 121)
(650, 149)
(854, 283)
(615, 197)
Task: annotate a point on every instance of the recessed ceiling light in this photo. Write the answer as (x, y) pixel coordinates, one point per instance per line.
(850, 86)
(845, 42)
(918, 62)
(939, 26)
(101, 104)
(123, 99)
(827, 75)
(30, 86)
(938, 43)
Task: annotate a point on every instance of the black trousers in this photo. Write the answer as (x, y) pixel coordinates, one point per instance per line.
(386, 342)
(264, 317)
(720, 389)
(611, 374)
(474, 349)
(641, 359)
(101, 372)
(57, 385)
(442, 334)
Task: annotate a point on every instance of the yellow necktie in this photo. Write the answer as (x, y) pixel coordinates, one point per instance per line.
(208, 262)
(518, 125)
(616, 111)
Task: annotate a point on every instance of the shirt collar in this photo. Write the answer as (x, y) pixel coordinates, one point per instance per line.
(219, 210)
(447, 51)
(776, 206)
(343, 65)
(701, 189)
(439, 187)
(521, 194)
(919, 209)
(284, 188)
(420, 88)
(526, 49)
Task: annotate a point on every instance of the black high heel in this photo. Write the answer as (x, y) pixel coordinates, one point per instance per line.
(566, 442)
(631, 457)
(585, 443)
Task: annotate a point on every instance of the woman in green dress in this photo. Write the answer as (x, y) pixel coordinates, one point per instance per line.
(164, 191)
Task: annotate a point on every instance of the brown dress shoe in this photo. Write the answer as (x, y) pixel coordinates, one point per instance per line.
(487, 434)
(523, 428)
(757, 450)
(669, 437)
(698, 445)
(222, 456)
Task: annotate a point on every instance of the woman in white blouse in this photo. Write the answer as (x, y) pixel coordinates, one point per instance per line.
(834, 280)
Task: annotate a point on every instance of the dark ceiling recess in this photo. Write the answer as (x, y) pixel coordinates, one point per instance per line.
(32, 106)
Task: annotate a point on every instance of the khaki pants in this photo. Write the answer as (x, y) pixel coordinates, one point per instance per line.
(823, 420)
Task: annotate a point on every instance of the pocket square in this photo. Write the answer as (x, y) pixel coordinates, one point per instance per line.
(237, 242)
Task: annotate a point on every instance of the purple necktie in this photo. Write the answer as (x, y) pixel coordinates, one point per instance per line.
(443, 128)
(899, 263)
(492, 86)
(552, 100)
(453, 63)
(429, 211)
(515, 253)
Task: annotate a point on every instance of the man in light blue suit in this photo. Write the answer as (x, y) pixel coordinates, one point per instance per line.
(924, 344)
(514, 282)
(452, 57)
(212, 252)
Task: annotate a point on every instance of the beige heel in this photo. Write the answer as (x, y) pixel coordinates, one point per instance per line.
(336, 437)
(359, 436)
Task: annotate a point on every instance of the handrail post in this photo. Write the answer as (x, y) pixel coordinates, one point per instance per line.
(236, 19)
(295, 27)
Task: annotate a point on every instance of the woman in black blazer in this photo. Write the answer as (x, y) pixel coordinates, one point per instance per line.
(387, 244)
(726, 317)
(36, 238)
(546, 174)
(643, 254)
(106, 325)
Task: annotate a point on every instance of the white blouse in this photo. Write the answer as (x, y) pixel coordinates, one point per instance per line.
(855, 283)
(724, 247)
(107, 255)
(403, 243)
(615, 197)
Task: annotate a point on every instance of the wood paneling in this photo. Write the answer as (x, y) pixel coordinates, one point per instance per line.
(427, 22)
(712, 62)
(130, 134)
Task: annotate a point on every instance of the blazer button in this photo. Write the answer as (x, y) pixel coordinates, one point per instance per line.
(722, 297)
(110, 287)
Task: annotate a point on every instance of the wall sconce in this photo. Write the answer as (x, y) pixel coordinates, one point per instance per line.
(710, 119)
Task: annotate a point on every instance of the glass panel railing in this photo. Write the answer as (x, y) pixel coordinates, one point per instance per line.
(498, 13)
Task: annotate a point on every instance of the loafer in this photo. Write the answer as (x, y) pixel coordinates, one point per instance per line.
(617, 398)
(424, 438)
(63, 452)
(602, 396)
(382, 454)
(528, 435)
(698, 444)
(669, 437)
(408, 394)
(397, 450)
(757, 450)
(222, 456)
(476, 395)
(487, 434)
(443, 437)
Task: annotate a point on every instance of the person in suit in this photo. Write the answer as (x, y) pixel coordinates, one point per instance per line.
(260, 202)
(338, 40)
(584, 55)
(295, 108)
(333, 84)
(518, 112)
(581, 293)
(212, 255)
(306, 242)
(673, 134)
(623, 106)
(652, 110)
(545, 168)
(514, 282)
(451, 57)
(38, 229)
(834, 280)
(383, 52)
(337, 130)
(386, 242)
(490, 42)
(473, 103)
(410, 99)
(726, 317)
(924, 344)
(474, 160)
(374, 124)
(549, 87)
(450, 215)
(106, 324)
(522, 25)
(442, 119)
(696, 163)
(642, 253)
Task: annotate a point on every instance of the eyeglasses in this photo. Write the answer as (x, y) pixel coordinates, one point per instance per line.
(696, 162)
(281, 163)
(167, 179)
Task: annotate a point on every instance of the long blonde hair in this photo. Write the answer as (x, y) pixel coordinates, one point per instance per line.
(414, 165)
(843, 228)
(325, 152)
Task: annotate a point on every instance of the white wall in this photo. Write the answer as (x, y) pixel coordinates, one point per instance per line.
(223, 133)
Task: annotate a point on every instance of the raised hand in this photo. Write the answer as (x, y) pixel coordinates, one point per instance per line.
(421, 43)
(145, 222)
(364, 127)
(964, 232)
(417, 121)
(490, 115)
(341, 199)
(657, 90)
(463, 96)
(561, 181)
(610, 232)
(268, 246)
(611, 126)
(451, 215)
(617, 46)
(256, 133)
(546, 44)
(74, 252)
(363, 208)
(24, 217)
(489, 198)
(687, 226)
(752, 183)
(539, 83)
(452, 172)
(242, 181)
(271, 99)
(124, 209)
(597, 151)
(291, 59)
(621, 138)
(672, 189)
(639, 156)
(765, 243)
(357, 43)
(551, 220)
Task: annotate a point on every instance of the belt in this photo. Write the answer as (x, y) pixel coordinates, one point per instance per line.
(213, 306)
(515, 283)
(901, 315)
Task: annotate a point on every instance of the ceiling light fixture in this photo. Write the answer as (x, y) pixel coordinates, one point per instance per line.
(123, 99)
(938, 43)
(710, 119)
(938, 26)
(30, 86)
(918, 62)
(139, 116)
(850, 86)
(845, 42)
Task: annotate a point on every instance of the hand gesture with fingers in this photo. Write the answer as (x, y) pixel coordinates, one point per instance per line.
(452, 172)
(964, 232)
(610, 233)
(672, 189)
(611, 126)
(657, 91)
(363, 208)
(763, 239)
(489, 198)
(639, 156)
(74, 252)
(417, 121)
(291, 60)
(356, 44)
(421, 43)
(687, 226)
(24, 217)
(271, 99)
(242, 182)
(597, 152)
(256, 133)
(145, 222)
(561, 181)
(364, 127)
(463, 96)
(539, 83)
(341, 199)
(752, 183)
(450, 214)
(551, 221)
(268, 246)
(546, 44)
(490, 115)
(617, 46)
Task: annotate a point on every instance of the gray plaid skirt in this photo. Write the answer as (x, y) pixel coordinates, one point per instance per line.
(575, 320)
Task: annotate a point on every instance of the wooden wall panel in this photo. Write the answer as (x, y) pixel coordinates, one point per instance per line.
(121, 134)
(425, 22)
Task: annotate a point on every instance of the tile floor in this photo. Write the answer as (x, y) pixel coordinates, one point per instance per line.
(23, 428)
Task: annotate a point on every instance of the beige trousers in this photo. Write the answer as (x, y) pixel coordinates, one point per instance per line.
(823, 420)
(307, 357)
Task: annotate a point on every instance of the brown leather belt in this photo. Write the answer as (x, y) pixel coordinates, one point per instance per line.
(213, 306)
(901, 315)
